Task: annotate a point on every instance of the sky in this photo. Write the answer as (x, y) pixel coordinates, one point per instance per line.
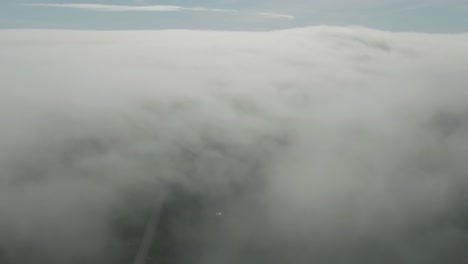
(440, 16)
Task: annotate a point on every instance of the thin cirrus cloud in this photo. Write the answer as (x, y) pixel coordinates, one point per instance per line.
(276, 16)
(154, 8)
(123, 8)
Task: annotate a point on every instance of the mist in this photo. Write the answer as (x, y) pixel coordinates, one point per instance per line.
(310, 145)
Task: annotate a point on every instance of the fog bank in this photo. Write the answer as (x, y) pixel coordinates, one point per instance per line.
(320, 144)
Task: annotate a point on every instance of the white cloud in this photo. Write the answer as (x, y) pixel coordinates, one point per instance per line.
(352, 143)
(277, 16)
(122, 8)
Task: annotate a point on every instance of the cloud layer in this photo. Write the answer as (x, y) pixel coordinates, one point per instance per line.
(321, 144)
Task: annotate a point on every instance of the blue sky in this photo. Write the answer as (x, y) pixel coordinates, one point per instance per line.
(395, 15)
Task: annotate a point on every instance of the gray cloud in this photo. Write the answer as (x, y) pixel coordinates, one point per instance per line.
(321, 144)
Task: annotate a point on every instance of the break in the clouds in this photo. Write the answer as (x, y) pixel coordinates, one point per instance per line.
(122, 8)
(309, 145)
